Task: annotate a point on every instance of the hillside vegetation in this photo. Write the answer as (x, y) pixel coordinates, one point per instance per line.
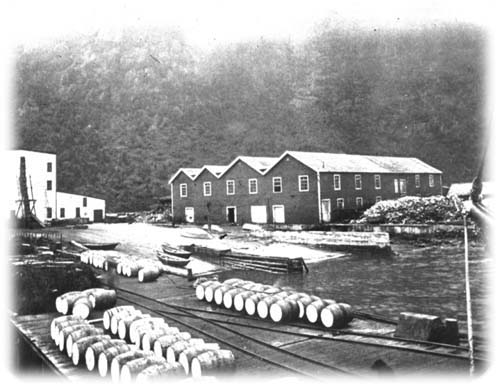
(124, 114)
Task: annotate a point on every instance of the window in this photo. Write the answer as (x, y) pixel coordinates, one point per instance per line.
(277, 185)
(207, 188)
(303, 183)
(229, 187)
(378, 184)
(359, 202)
(417, 180)
(396, 185)
(336, 182)
(252, 186)
(49, 185)
(357, 182)
(62, 212)
(402, 185)
(49, 212)
(183, 190)
(49, 167)
(84, 201)
(340, 203)
(431, 180)
(378, 198)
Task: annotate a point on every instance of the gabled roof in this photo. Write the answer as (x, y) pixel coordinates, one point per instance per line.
(192, 173)
(216, 170)
(354, 163)
(259, 164)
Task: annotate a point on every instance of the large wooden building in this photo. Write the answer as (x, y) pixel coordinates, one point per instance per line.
(297, 187)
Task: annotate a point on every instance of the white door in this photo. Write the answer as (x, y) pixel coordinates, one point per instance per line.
(326, 210)
(258, 214)
(278, 214)
(189, 214)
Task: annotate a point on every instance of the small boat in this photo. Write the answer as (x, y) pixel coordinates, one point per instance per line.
(102, 246)
(175, 251)
(171, 260)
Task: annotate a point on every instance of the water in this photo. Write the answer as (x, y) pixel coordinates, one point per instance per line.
(428, 279)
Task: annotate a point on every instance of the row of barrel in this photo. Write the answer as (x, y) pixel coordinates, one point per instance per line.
(145, 270)
(278, 304)
(133, 345)
(82, 303)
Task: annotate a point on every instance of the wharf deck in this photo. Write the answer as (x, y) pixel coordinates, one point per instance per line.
(261, 347)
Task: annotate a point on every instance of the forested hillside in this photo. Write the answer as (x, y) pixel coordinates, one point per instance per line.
(124, 114)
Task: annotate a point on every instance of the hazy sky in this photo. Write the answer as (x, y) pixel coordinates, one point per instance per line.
(209, 22)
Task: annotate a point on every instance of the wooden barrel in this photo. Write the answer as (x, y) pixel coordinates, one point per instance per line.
(125, 323)
(348, 313)
(161, 371)
(61, 321)
(115, 319)
(64, 325)
(264, 304)
(149, 337)
(161, 344)
(75, 335)
(209, 291)
(61, 298)
(64, 332)
(333, 316)
(219, 293)
(144, 329)
(200, 288)
(148, 274)
(66, 302)
(106, 317)
(284, 310)
(313, 310)
(95, 349)
(81, 345)
(103, 299)
(133, 269)
(105, 358)
(270, 290)
(131, 369)
(233, 281)
(239, 299)
(188, 354)
(228, 298)
(145, 325)
(218, 361)
(121, 359)
(174, 350)
(82, 308)
(303, 302)
(252, 301)
(119, 268)
(283, 294)
(248, 285)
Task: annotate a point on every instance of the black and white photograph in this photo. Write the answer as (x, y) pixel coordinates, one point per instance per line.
(275, 191)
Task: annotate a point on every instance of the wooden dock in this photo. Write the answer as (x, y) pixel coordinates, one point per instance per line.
(261, 347)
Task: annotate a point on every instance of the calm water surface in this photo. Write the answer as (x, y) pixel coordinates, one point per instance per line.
(427, 279)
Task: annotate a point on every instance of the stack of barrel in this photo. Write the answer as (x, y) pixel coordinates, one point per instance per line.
(81, 303)
(153, 336)
(278, 304)
(100, 259)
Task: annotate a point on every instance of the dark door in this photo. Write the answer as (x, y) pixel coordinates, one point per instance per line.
(77, 212)
(98, 215)
(231, 215)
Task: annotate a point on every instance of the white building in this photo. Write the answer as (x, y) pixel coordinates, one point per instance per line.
(41, 181)
(75, 205)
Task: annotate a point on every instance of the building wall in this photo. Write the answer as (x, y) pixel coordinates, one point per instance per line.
(37, 175)
(71, 203)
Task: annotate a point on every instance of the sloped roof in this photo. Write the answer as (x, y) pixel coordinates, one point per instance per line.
(354, 163)
(259, 164)
(192, 173)
(216, 170)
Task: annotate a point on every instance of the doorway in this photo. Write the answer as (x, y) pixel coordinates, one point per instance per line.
(231, 214)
